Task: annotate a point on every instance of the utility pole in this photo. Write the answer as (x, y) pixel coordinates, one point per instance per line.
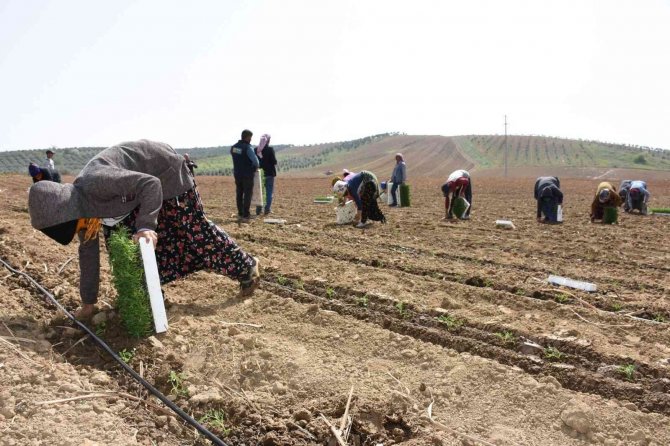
(506, 146)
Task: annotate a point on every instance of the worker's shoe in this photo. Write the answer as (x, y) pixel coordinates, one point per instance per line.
(252, 280)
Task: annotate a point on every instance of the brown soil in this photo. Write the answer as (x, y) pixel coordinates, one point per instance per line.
(410, 313)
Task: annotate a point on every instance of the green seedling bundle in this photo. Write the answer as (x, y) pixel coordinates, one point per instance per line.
(128, 277)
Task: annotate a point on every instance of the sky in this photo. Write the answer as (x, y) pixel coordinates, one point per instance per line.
(195, 74)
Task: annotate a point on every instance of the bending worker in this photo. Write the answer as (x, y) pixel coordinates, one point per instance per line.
(549, 196)
(145, 186)
(363, 188)
(459, 184)
(634, 195)
(606, 196)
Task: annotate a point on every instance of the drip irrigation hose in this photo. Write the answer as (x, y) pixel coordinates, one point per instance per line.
(186, 417)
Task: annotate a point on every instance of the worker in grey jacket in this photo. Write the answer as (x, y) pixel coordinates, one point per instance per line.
(398, 177)
(145, 186)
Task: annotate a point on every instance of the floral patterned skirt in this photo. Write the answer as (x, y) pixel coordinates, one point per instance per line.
(189, 242)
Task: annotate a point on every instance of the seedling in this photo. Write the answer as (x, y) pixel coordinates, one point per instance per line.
(176, 380)
(520, 292)
(127, 355)
(363, 301)
(628, 371)
(216, 418)
(658, 317)
(128, 279)
(281, 280)
(553, 354)
(561, 298)
(101, 328)
(402, 309)
(616, 306)
(330, 292)
(298, 284)
(507, 337)
(450, 321)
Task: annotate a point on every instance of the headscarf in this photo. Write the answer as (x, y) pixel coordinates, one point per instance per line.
(345, 173)
(399, 155)
(335, 180)
(265, 140)
(604, 195)
(340, 187)
(34, 170)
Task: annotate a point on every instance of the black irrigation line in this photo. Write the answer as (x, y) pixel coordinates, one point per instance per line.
(186, 417)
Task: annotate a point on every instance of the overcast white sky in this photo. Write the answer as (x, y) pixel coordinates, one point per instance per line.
(94, 73)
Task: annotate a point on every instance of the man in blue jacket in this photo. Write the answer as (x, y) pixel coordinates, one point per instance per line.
(245, 164)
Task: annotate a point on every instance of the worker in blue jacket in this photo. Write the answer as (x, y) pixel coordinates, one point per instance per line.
(245, 165)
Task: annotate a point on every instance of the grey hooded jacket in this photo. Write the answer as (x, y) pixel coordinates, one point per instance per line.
(115, 182)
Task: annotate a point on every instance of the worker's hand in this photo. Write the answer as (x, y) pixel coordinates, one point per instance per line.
(148, 234)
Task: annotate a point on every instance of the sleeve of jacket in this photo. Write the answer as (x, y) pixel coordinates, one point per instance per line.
(273, 158)
(112, 183)
(558, 195)
(403, 173)
(537, 189)
(89, 269)
(252, 156)
(594, 206)
(357, 198)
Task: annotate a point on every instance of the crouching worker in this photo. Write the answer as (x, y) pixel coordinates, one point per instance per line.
(147, 187)
(39, 174)
(549, 196)
(634, 195)
(363, 188)
(459, 184)
(606, 196)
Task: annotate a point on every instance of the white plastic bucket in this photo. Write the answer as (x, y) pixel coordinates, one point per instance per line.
(559, 213)
(345, 214)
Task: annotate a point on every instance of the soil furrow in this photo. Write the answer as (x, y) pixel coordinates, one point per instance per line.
(648, 393)
(648, 312)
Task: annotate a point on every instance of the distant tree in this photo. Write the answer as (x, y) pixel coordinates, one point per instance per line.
(640, 159)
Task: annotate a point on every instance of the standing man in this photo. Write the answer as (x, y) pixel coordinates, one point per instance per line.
(398, 177)
(245, 164)
(268, 164)
(190, 164)
(49, 164)
(459, 184)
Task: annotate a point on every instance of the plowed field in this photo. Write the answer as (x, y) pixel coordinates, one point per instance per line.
(419, 316)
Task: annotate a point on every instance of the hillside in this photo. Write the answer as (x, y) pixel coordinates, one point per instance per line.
(429, 156)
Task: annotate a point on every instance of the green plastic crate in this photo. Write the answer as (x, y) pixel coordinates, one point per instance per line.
(610, 215)
(404, 196)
